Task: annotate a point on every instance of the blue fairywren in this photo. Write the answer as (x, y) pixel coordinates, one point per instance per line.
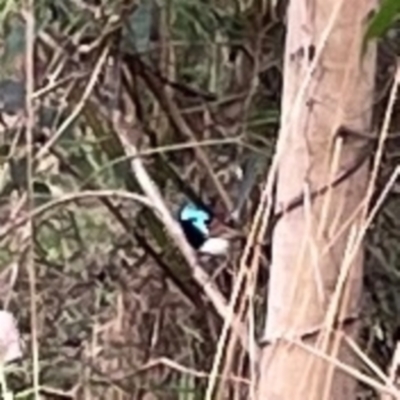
(202, 225)
(197, 224)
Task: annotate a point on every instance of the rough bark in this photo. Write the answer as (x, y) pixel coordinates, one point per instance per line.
(303, 279)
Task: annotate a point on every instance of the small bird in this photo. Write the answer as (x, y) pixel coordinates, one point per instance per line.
(209, 230)
(197, 224)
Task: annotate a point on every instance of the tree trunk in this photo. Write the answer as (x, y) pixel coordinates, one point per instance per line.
(307, 260)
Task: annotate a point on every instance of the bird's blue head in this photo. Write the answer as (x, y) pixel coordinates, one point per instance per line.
(195, 222)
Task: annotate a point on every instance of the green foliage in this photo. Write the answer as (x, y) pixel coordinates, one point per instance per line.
(388, 12)
(7, 8)
(194, 20)
(63, 15)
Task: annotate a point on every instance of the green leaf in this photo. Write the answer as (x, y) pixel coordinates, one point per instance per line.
(7, 7)
(383, 19)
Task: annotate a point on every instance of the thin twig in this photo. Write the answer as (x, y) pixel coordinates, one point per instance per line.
(68, 198)
(150, 189)
(179, 122)
(347, 369)
(163, 149)
(243, 268)
(30, 259)
(77, 110)
(185, 370)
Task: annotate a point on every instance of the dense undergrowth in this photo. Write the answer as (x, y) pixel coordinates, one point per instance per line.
(118, 314)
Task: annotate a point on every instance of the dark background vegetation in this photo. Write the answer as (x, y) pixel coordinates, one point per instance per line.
(201, 83)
